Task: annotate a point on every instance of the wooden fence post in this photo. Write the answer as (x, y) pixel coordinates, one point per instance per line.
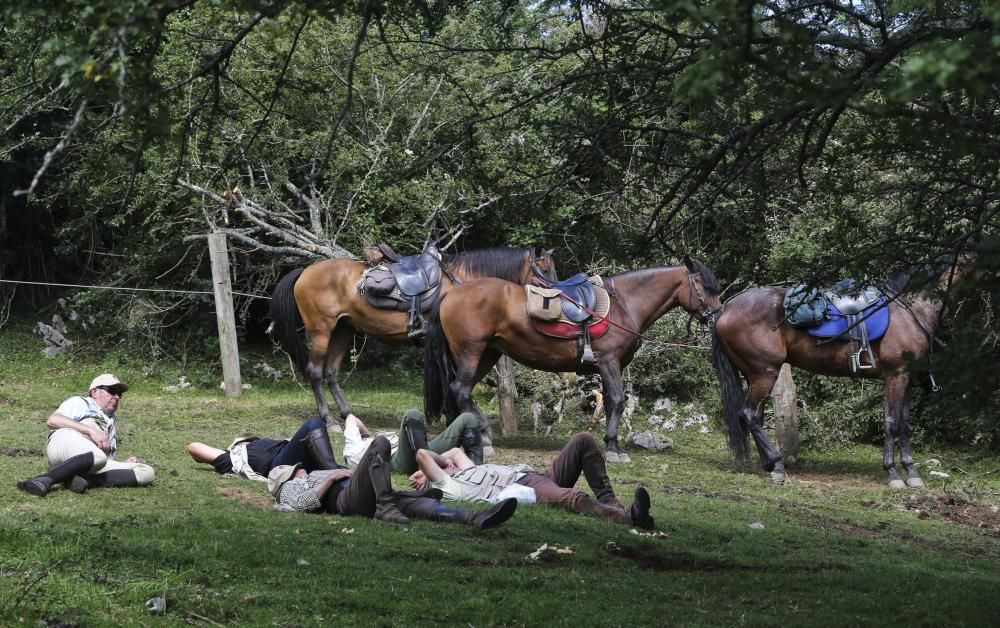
(224, 315)
(786, 420)
(507, 396)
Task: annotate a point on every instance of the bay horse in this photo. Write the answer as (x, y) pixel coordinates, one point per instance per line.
(478, 322)
(324, 298)
(753, 338)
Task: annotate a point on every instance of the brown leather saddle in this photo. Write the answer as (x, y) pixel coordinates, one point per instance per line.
(575, 308)
(409, 284)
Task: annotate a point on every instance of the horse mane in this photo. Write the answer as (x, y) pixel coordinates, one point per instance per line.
(919, 276)
(708, 279)
(499, 261)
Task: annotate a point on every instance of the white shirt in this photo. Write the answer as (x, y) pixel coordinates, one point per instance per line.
(86, 409)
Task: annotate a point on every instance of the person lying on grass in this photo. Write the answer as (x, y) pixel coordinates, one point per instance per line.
(253, 458)
(464, 431)
(460, 479)
(367, 491)
(82, 445)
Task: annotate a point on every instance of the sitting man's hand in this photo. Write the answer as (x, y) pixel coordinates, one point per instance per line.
(100, 439)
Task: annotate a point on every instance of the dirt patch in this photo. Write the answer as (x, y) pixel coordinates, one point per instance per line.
(981, 516)
(17, 452)
(687, 490)
(669, 562)
(246, 497)
(827, 481)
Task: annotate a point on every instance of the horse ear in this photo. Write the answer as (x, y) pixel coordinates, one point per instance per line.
(689, 263)
(539, 250)
(549, 252)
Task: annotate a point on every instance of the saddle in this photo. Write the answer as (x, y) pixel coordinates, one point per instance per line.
(408, 284)
(575, 308)
(843, 312)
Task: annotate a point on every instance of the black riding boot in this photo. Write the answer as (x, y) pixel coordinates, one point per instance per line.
(385, 502)
(40, 484)
(416, 434)
(116, 478)
(483, 519)
(472, 443)
(318, 442)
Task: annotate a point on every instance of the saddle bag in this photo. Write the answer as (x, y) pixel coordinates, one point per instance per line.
(378, 281)
(544, 303)
(804, 306)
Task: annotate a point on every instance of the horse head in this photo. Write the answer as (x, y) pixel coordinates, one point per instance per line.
(544, 266)
(703, 290)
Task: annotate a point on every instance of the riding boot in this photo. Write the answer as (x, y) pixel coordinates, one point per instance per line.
(596, 473)
(587, 505)
(318, 442)
(483, 519)
(472, 443)
(639, 511)
(429, 493)
(386, 506)
(416, 434)
(116, 478)
(40, 484)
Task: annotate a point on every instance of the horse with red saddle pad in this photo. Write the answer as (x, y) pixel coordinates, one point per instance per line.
(479, 321)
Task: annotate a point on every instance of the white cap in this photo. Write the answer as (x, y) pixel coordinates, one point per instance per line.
(109, 380)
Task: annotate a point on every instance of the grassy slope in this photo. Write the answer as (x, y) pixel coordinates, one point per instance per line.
(836, 547)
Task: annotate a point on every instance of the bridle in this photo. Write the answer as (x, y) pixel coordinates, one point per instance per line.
(707, 313)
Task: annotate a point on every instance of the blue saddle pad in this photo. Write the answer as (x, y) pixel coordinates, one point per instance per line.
(875, 317)
(580, 292)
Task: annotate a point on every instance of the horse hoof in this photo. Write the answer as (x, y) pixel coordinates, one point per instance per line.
(897, 485)
(776, 477)
(333, 426)
(488, 451)
(914, 482)
(612, 457)
(623, 457)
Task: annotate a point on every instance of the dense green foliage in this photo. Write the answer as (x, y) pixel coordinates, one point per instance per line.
(778, 141)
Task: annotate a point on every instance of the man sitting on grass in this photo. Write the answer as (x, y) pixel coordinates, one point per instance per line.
(460, 479)
(367, 491)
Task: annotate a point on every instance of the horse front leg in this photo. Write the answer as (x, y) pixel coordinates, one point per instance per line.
(752, 417)
(913, 479)
(614, 406)
(897, 389)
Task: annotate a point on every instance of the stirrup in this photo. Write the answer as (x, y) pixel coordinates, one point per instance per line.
(587, 355)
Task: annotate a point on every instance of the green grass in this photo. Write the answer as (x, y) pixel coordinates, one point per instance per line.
(836, 548)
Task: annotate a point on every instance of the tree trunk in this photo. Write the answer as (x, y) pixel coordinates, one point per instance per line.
(507, 395)
(786, 421)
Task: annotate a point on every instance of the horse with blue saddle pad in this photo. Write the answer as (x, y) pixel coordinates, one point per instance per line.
(756, 332)
(574, 308)
(842, 312)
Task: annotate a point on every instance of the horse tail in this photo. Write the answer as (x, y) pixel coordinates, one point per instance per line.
(733, 398)
(439, 371)
(286, 320)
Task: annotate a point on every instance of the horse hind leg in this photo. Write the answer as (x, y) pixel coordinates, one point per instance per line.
(340, 343)
(752, 417)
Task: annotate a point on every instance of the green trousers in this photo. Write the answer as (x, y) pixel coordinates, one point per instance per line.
(405, 459)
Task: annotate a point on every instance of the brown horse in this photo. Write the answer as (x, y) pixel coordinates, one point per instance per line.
(752, 335)
(324, 298)
(481, 320)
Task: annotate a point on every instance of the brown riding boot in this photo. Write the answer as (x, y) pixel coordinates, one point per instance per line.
(587, 505)
(386, 506)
